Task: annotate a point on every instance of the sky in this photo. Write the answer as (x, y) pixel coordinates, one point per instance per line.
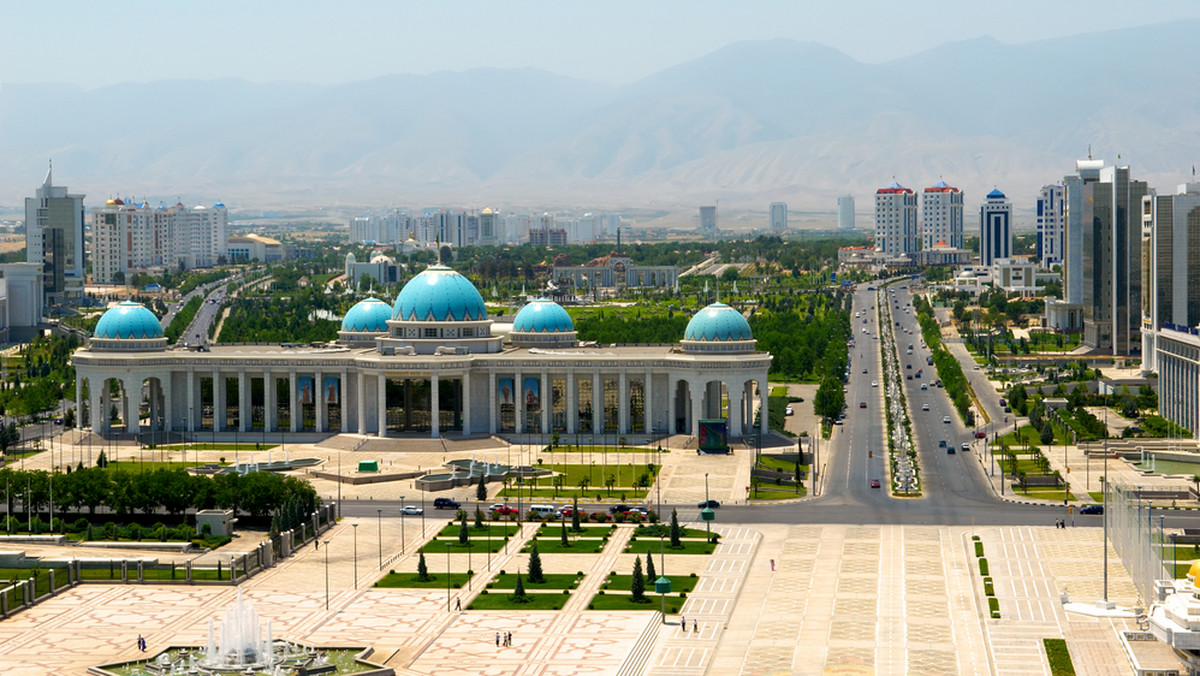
(93, 44)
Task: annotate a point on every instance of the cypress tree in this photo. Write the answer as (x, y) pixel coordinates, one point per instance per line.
(422, 569)
(639, 583)
(575, 516)
(650, 567)
(519, 594)
(463, 536)
(565, 541)
(535, 565)
(675, 530)
(481, 489)
(478, 517)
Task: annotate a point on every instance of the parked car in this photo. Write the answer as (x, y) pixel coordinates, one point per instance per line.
(412, 510)
(1091, 509)
(568, 512)
(789, 411)
(445, 503)
(980, 434)
(619, 509)
(500, 508)
(711, 504)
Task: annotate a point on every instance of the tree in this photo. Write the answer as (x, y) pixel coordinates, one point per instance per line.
(830, 398)
(464, 538)
(675, 530)
(519, 595)
(650, 567)
(478, 517)
(609, 482)
(481, 489)
(535, 564)
(638, 586)
(422, 569)
(1047, 435)
(575, 516)
(565, 541)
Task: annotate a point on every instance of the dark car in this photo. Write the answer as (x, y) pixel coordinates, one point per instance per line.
(711, 504)
(619, 509)
(1091, 509)
(862, 404)
(445, 503)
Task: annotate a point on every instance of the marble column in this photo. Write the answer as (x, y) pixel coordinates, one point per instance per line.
(132, 388)
(218, 401)
(622, 402)
(697, 392)
(168, 403)
(518, 403)
(434, 408)
(572, 406)
(763, 391)
(491, 397)
(360, 388)
(270, 405)
(78, 400)
(293, 403)
(191, 401)
(648, 403)
(466, 402)
(96, 404)
(735, 409)
(381, 397)
(344, 413)
(243, 401)
(546, 401)
(319, 401)
(597, 403)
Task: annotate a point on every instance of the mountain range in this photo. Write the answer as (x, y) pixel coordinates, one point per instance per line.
(751, 123)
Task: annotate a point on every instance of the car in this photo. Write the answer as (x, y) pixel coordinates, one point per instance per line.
(619, 509)
(58, 421)
(874, 483)
(864, 371)
(839, 421)
(1008, 409)
(711, 504)
(500, 508)
(946, 419)
(412, 510)
(924, 386)
(862, 404)
(938, 383)
(924, 407)
(1003, 402)
(942, 443)
(445, 503)
(908, 376)
(908, 366)
(874, 383)
(1091, 509)
(917, 374)
(980, 434)
(949, 450)
(966, 446)
(789, 411)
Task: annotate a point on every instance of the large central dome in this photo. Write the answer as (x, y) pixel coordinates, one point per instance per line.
(439, 294)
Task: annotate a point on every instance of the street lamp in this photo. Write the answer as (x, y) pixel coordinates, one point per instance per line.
(662, 585)
(355, 554)
(327, 575)
(379, 532)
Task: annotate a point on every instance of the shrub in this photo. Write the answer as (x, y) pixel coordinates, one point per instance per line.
(978, 549)
(983, 566)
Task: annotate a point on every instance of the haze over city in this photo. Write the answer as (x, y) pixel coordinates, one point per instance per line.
(613, 105)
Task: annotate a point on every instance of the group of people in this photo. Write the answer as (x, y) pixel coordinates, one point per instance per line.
(141, 643)
(506, 637)
(683, 624)
(1061, 523)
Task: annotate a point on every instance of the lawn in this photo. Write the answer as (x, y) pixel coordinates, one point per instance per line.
(500, 601)
(554, 531)
(1059, 657)
(555, 546)
(626, 474)
(553, 581)
(687, 547)
(574, 492)
(1046, 493)
(767, 490)
(624, 582)
(619, 602)
(496, 530)
(772, 462)
(1098, 496)
(393, 580)
(646, 532)
(585, 448)
(476, 545)
(206, 446)
(42, 583)
(150, 466)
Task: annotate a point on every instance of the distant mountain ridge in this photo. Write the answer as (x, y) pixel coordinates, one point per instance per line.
(747, 124)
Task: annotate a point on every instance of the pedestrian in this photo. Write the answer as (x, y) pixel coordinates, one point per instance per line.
(316, 543)
(695, 627)
(458, 603)
(772, 565)
(497, 639)
(141, 643)
(683, 622)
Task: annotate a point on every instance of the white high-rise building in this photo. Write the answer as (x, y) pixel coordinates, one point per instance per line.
(131, 237)
(941, 216)
(995, 228)
(708, 219)
(381, 229)
(1170, 266)
(895, 220)
(1050, 225)
(54, 238)
(779, 216)
(846, 212)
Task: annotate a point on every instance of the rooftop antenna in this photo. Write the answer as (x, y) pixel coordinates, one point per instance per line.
(1089, 151)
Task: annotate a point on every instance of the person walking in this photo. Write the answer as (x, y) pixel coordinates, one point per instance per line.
(683, 622)
(458, 603)
(772, 565)
(695, 627)
(497, 639)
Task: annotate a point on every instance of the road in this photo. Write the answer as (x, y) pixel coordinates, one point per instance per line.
(196, 334)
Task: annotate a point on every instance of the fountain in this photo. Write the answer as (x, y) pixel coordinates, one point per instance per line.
(242, 645)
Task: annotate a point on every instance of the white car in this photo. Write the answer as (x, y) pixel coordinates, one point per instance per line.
(874, 383)
(789, 411)
(946, 419)
(924, 407)
(412, 509)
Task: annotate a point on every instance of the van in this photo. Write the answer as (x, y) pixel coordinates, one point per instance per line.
(543, 511)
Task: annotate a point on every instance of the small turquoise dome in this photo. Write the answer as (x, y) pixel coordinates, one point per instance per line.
(718, 322)
(128, 320)
(369, 315)
(439, 294)
(995, 194)
(542, 315)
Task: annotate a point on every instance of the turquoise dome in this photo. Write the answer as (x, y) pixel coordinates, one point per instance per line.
(369, 315)
(439, 294)
(718, 322)
(542, 315)
(128, 320)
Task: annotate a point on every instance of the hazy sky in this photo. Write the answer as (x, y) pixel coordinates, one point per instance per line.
(98, 43)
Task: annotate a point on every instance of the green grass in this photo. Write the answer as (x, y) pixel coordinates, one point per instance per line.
(767, 490)
(555, 531)
(553, 581)
(645, 532)
(687, 547)
(585, 448)
(496, 530)
(42, 584)
(1098, 496)
(500, 601)
(622, 602)
(206, 446)
(394, 580)
(1059, 657)
(554, 546)
(206, 574)
(151, 465)
(771, 462)
(625, 473)
(994, 606)
(476, 546)
(679, 583)
(1046, 493)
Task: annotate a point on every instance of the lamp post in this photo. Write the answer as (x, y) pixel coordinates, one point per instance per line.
(327, 575)
(355, 554)
(379, 532)
(662, 585)
(447, 579)
(707, 513)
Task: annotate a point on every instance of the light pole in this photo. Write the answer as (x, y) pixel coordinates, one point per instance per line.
(379, 532)
(707, 521)
(327, 575)
(355, 554)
